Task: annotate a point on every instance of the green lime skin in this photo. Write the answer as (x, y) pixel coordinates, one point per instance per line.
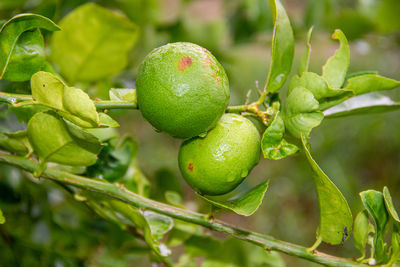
(218, 163)
(182, 90)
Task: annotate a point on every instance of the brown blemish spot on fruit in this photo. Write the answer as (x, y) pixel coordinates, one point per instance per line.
(190, 167)
(217, 79)
(184, 63)
(205, 74)
(207, 62)
(205, 50)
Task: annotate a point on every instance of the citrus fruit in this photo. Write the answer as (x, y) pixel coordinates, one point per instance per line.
(182, 89)
(218, 163)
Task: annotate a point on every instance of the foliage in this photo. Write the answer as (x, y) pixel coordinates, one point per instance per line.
(68, 84)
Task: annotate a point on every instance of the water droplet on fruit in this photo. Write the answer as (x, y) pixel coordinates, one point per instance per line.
(202, 135)
(181, 89)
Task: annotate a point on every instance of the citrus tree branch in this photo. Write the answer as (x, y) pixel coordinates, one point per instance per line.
(15, 99)
(118, 191)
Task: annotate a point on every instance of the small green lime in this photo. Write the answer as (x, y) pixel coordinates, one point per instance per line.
(218, 163)
(182, 89)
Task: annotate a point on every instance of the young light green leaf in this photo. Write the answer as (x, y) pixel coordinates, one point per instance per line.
(2, 219)
(374, 202)
(336, 220)
(245, 205)
(361, 231)
(10, 34)
(123, 94)
(93, 43)
(305, 58)
(282, 48)
(78, 103)
(16, 142)
(300, 112)
(315, 84)
(173, 198)
(273, 145)
(107, 121)
(54, 141)
(369, 82)
(159, 224)
(364, 104)
(389, 204)
(48, 90)
(335, 69)
(72, 103)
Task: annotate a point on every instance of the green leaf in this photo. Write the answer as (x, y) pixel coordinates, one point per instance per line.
(316, 84)
(113, 161)
(72, 103)
(25, 113)
(2, 219)
(15, 142)
(396, 226)
(123, 94)
(282, 49)
(159, 224)
(300, 112)
(374, 202)
(273, 145)
(78, 103)
(336, 220)
(245, 205)
(389, 204)
(53, 140)
(364, 104)
(361, 231)
(335, 69)
(27, 57)
(23, 53)
(173, 198)
(93, 44)
(107, 121)
(369, 82)
(305, 57)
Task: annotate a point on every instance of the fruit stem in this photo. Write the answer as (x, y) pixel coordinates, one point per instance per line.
(250, 108)
(121, 193)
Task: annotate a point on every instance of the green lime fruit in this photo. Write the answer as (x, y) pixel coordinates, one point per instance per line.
(218, 163)
(182, 89)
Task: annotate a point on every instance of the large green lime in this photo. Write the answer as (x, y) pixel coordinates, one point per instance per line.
(182, 89)
(218, 163)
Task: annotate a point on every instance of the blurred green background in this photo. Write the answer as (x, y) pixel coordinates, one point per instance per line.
(47, 227)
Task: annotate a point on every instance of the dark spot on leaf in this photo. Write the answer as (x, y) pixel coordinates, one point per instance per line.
(345, 234)
(44, 85)
(190, 167)
(184, 63)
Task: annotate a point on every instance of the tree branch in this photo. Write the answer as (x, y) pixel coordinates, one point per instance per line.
(14, 99)
(120, 192)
